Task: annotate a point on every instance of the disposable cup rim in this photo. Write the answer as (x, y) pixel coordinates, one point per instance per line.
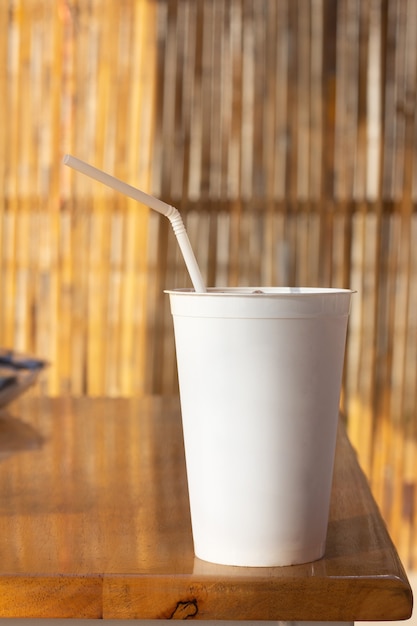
(261, 292)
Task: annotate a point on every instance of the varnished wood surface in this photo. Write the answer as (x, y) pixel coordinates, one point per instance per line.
(94, 522)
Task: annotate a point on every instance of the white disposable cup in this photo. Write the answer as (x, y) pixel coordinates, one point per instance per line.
(259, 378)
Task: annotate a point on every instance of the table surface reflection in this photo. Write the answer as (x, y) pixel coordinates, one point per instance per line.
(94, 523)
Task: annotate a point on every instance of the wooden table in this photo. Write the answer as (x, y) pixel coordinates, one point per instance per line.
(94, 523)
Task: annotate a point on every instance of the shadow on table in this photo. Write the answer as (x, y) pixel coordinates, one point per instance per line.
(17, 436)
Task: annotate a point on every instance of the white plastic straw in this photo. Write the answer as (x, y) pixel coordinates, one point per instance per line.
(154, 203)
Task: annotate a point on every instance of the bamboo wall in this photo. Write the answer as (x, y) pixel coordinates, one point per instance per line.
(283, 130)
(75, 77)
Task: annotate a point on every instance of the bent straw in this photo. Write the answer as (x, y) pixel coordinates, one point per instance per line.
(154, 203)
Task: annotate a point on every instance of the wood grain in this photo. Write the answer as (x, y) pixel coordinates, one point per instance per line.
(94, 522)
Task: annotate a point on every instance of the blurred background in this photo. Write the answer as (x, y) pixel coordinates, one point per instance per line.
(284, 131)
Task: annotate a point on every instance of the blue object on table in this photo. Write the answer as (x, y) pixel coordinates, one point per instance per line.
(17, 373)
